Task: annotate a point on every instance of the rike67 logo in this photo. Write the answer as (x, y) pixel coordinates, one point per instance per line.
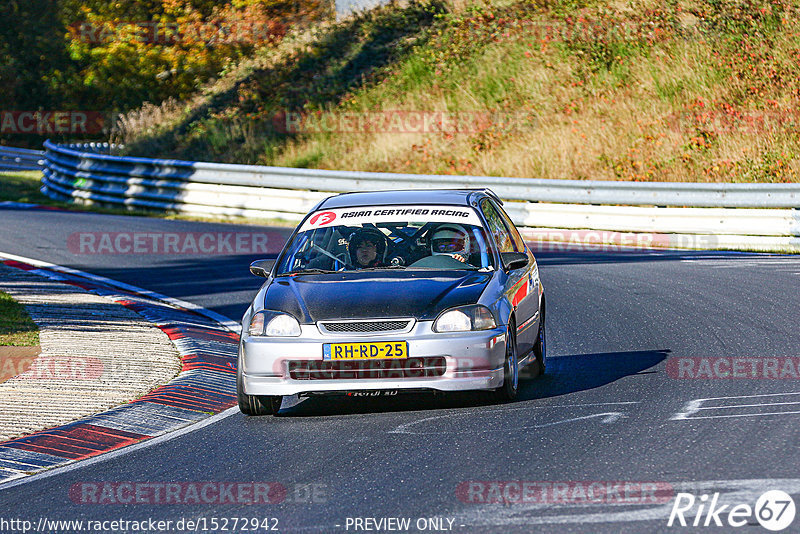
(774, 510)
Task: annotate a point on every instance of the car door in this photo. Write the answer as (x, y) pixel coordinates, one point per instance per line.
(521, 288)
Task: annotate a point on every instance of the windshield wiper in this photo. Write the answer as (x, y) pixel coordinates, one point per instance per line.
(381, 268)
(307, 271)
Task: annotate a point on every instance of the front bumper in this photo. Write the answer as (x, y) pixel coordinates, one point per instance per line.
(473, 360)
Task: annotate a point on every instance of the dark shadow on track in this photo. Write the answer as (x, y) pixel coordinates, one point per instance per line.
(565, 374)
(578, 372)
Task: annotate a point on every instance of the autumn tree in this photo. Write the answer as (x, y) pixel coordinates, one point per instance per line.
(136, 51)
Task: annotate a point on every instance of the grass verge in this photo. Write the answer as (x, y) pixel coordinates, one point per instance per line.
(16, 327)
(23, 186)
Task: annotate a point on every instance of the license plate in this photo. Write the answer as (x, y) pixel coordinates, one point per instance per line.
(385, 350)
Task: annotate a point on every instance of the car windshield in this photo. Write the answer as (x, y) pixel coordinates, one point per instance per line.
(388, 237)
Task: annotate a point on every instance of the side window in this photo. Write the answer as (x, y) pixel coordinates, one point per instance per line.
(497, 227)
(519, 244)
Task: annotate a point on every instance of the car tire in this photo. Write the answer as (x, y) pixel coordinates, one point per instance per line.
(508, 391)
(540, 347)
(256, 404)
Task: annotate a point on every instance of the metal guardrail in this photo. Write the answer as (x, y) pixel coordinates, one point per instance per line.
(522, 189)
(20, 159)
(83, 174)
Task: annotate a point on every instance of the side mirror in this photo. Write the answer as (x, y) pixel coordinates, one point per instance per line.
(261, 267)
(514, 260)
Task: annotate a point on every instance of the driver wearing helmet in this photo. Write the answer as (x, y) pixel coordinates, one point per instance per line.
(451, 240)
(367, 248)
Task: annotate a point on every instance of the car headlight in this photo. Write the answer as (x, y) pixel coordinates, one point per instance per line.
(464, 319)
(273, 324)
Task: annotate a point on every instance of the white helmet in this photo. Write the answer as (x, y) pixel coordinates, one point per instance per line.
(450, 239)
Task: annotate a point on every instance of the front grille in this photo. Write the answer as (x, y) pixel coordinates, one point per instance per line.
(364, 326)
(327, 370)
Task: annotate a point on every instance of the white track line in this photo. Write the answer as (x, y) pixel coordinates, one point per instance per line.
(403, 428)
(695, 405)
(149, 442)
(121, 452)
(231, 325)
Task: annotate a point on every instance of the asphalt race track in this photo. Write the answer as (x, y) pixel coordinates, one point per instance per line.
(607, 412)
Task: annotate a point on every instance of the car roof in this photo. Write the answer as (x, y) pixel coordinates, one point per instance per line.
(455, 197)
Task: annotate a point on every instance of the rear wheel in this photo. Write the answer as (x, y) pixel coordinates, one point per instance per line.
(256, 404)
(508, 391)
(540, 347)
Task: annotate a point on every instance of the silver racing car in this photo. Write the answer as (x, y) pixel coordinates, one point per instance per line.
(394, 291)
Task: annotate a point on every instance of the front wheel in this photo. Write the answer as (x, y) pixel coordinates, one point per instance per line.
(508, 391)
(256, 404)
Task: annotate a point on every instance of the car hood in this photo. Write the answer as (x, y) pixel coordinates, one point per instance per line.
(316, 297)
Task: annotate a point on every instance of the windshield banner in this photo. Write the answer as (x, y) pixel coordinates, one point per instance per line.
(389, 214)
